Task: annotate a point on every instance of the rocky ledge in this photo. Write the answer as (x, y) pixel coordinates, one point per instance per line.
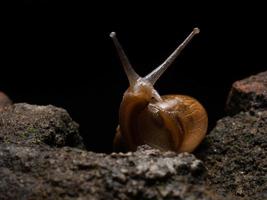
(234, 152)
(248, 94)
(42, 156)
(235, 155)
(70, 173)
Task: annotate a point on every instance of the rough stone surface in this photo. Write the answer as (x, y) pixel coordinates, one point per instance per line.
(37, 125)
(247, 94)
(36, 163)
(235, 155)
(70, 173)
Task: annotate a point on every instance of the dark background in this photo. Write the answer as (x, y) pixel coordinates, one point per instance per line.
(61, 54)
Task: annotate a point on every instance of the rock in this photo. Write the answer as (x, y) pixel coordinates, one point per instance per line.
(231, 161)
(29, 125)
(247, 94)
(70, 173)
(235, 155)
(234, 152)
(4, 101)
(32, 168)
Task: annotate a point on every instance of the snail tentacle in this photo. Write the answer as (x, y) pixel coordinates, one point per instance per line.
(156, 73)
(131, 74)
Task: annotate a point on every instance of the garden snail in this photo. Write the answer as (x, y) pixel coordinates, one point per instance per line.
(169, 122)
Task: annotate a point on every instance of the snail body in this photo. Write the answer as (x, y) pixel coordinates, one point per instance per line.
(168, 122)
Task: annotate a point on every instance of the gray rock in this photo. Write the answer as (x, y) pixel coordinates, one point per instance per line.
(235, 155)
(32, 168)
(233, 161)
(234, 152)
(29, 125)
(41, 172)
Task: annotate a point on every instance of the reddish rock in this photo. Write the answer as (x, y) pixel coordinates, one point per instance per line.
(4, 101)
(248, 94)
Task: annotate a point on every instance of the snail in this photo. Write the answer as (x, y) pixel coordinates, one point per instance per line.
(169, 122)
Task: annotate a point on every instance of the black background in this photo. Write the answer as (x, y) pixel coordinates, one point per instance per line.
(61, 54)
